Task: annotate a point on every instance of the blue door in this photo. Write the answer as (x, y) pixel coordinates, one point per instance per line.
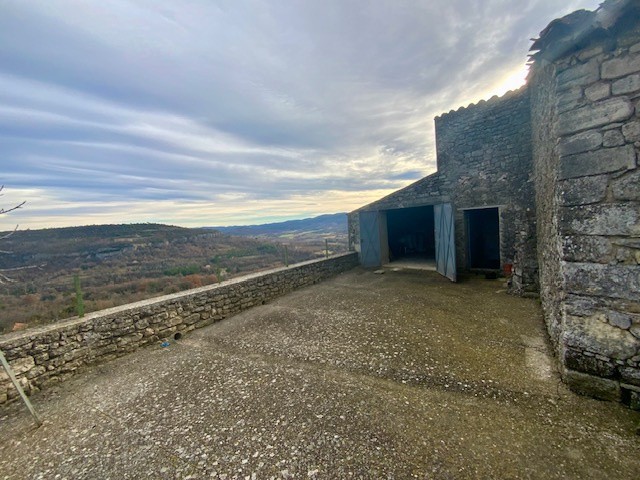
(445, 241)
(370, 239)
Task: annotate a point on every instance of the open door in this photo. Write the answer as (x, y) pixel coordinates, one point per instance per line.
(445, 240)
(371, 245)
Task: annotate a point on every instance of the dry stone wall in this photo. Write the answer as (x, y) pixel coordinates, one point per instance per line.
(589, 216)
(50, 354)
(484, 160)
(485, 151)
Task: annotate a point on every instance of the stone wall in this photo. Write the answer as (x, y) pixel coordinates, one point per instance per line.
(484, 160)
(546, 167)
(46, 355)
(589, 219)
(485, 152)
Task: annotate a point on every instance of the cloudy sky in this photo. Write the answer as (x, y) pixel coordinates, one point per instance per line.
(212, 112)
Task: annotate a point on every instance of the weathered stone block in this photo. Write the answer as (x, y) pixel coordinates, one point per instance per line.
(631, 131)
(576, 360)
(570, 99)
(595, 115)
(594, 334)
(619, 319)
(612, 281)
(627, 187)
(580, 142)
(587, 248)
(22, 365)
(581, 74)
(592, 386)
(597, 92)
(630, 375)
(583, 190)
(613, 138)
(601, 219)
(626, 85)
(590, 52)
(604, 160)
(582, 306)
(621, 66)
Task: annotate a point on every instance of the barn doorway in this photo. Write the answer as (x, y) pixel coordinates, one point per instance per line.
(483, 238)
(410, 233)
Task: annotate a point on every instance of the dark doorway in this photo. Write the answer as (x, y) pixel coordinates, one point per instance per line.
(483, 234)
(410, 233)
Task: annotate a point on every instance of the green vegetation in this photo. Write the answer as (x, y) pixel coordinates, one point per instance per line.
(186, 270)
(120, 264)
(79, 300)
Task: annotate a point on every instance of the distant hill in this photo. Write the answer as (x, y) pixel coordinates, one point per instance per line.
(331, 224)
(119, 264)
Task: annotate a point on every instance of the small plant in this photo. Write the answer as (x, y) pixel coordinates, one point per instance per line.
(79, 301)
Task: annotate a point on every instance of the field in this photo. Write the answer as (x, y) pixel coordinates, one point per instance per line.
(119, 264)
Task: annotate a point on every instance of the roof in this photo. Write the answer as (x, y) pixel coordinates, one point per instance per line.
(582, 28)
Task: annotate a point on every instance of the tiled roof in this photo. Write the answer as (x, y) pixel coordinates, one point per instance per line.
(583, 27)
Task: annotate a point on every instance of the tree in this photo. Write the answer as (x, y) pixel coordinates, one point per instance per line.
(4, 277)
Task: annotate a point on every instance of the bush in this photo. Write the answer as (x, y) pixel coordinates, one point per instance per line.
(183, 270)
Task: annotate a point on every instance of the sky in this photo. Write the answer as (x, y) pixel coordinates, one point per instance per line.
(212, 112)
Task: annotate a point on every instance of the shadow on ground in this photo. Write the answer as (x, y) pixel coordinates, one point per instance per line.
(399, 375)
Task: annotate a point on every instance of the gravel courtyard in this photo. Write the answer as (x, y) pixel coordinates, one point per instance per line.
(375, 376)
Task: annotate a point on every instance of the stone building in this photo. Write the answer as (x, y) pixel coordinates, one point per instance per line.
(543, 184)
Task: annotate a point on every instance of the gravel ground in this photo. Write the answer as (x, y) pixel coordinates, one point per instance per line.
(399, 375)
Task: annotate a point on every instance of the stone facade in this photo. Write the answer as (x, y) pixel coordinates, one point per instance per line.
(485, 152)
(40, 357)
(484, 160)
(560, 159)
(587, 139)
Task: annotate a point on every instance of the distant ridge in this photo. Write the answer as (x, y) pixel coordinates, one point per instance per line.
(335, 223)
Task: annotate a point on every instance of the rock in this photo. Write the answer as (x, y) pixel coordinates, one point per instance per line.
(604, 160)
(587, 248)
(583, 74)
(585, 384)
(595, 115)
(598, 91)
(620, 320)
(602, 219)
(22, 365)
(626, 85)
(575, 360)
(595, 335)
(621, 66)
(613, 138)
(631, 131)
(583, 190)
(630, 375)
(580, 142)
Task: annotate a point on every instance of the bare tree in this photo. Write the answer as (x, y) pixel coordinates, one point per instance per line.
(4, 278)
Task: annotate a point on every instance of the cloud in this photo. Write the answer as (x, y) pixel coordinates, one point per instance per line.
(203, 112)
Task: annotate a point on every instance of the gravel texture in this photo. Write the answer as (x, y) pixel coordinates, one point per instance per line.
(399, 375)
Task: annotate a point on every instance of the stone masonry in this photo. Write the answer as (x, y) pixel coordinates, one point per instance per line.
(484, 160)
(485, 152)
(43, 356)
(586, 141)
(559, 158)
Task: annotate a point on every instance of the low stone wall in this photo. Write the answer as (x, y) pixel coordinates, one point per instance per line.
(42, 356)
